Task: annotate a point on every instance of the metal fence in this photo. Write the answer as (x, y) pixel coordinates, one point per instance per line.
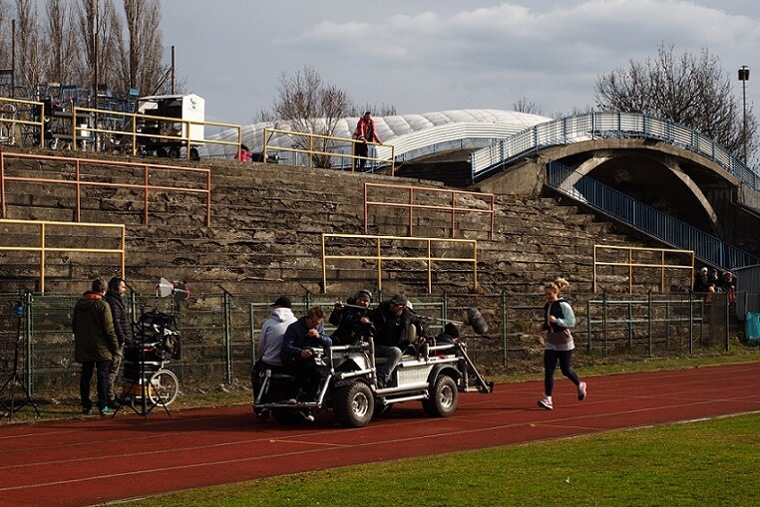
(219, 332)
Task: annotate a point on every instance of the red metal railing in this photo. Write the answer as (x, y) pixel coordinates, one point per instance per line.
(145, 186)
(454, 208)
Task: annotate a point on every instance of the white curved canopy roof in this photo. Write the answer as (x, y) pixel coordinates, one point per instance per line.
(409, 133)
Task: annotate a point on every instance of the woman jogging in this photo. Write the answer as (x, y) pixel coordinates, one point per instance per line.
(558, 319)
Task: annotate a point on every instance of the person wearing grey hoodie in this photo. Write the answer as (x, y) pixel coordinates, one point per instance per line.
(273, 331)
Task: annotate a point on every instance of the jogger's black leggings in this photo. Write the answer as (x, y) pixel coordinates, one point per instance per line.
(550, 364)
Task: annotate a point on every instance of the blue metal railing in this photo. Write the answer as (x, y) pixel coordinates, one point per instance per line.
(655, 223)
(591, 126)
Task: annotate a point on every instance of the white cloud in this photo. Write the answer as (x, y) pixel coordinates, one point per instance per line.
(430, 55)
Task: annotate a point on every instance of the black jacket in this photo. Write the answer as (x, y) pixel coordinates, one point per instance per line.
(121, 322)
(390, 329)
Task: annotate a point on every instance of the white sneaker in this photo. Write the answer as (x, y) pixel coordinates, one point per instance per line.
(546, 403)
(581, 391)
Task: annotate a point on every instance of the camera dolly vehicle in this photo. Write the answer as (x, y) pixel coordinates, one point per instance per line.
(433, 374)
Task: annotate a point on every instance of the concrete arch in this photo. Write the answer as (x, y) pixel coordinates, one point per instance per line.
(597, 161)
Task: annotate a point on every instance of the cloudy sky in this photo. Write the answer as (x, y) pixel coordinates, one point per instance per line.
(432, 55)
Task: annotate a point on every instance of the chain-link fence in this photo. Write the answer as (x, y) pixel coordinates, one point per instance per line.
(219, 332)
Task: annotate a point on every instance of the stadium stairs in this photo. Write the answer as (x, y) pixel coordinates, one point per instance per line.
(265, 235)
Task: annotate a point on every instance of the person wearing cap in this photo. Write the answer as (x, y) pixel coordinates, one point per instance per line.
(701, 282)
(301, 337)
(273, 332)
(728, 284)
(351, 319)
(450, 334)
(391, 321)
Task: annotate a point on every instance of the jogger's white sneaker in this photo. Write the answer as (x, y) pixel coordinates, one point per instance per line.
(546, 403)
(581, 391)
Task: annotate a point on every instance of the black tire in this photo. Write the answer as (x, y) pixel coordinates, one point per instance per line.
(354, 405)
(443, 397)
(173, 152)
(287, 415)
(194, 154)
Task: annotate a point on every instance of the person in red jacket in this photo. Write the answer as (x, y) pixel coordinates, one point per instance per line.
(364, 133)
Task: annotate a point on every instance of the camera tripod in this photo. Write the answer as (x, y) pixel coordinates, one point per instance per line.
(14, 379)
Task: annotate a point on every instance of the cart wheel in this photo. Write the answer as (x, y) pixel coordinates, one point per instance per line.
(194, 154)
(443, 398)
(164, 387)
(354, 405)
(173, 152)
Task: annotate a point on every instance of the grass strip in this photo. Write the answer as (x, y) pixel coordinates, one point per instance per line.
(711, 462)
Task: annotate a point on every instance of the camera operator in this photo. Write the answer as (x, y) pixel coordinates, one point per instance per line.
(352, 322)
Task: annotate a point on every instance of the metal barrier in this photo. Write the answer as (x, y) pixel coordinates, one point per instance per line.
(43, 247)
(590, 126)
(653, 222)
(378, 256)
(305, 144)
(630, 263)
(453, 208)
(11, 123)
(611, 316)
(125, 126)
(219, 332)
(145, 186)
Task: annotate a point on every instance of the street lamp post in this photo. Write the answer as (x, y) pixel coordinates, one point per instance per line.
(744, 77)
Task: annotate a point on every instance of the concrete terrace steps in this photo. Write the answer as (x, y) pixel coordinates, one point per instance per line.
(267, 223)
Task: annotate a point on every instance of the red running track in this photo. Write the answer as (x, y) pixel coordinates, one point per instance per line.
(77, 463)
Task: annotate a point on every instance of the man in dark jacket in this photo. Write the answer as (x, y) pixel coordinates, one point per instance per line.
(392, 320)
(95, 343)
(122, 325)
(300, 338)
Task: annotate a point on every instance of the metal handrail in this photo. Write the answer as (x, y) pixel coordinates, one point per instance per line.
(16, 121)
(42, 249)
(630, 263)
(144, 185)
(411, 206)
(647, 219)
(311, 151)
(601, 125)
(379, 257)
(183, 136)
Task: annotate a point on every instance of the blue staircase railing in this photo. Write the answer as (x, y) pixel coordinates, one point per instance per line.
(647, 219)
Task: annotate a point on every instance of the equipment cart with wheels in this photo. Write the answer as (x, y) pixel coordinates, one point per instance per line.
(147, 382)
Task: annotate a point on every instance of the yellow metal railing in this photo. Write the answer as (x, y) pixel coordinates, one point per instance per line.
(379, 258)
(182, 136)
(305, 143)
(10, 110)
(630, 263)
(42, 249)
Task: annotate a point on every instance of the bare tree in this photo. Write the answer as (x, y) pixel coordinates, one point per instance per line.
(527, 106)
(29, 63)
(61, 48)
(381, 110)
(310, 106)
(688, 89)
(100, 28)
(142, 51)
(5, 37)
